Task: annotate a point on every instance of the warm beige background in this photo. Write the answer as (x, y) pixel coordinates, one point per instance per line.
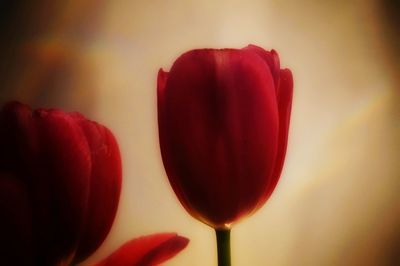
(338, 200)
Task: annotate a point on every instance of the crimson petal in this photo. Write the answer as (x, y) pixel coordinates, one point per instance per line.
(105, 183)
(284, 96)
(271, 58)
(61, 189)
(146, 250)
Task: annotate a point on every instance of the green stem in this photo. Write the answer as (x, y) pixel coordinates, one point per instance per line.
(223, 246)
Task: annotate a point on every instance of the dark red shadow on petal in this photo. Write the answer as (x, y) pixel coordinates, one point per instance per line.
(15, 223)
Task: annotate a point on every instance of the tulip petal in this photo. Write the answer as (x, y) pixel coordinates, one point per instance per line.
(285, 95)
(162, 78)
(15, 222)
(271, 58)
(62, 171)
(105, 183)
(146, 251)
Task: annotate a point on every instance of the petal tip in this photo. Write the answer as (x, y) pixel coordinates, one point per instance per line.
(161, 80)
(286, 74)
(251, 46)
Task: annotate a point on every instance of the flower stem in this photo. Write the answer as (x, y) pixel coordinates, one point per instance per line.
(223, 246)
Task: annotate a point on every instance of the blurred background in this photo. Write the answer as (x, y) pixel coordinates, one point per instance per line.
(338, 201)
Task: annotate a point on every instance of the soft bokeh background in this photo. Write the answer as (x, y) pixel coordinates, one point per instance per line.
(338, 202)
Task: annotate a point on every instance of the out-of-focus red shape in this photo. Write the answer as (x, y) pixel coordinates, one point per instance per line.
(223, 117)
(62, 174)
(60, 182)
(146, 251)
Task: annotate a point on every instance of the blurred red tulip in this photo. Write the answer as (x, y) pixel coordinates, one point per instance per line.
(223, 118)
(60, 182)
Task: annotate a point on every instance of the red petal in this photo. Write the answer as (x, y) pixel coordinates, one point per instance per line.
(271, 58)
(61, 186)
(105, 186)
(146, 251)
(285, 95)
(162, 78)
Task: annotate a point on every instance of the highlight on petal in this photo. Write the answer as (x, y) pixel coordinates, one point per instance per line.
(146, 251)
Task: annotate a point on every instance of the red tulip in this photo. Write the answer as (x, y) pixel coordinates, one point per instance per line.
(223, 119)
(64, 174)
(60, 182)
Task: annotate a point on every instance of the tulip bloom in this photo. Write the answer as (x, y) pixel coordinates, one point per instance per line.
(223, 117)
(60, 182)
